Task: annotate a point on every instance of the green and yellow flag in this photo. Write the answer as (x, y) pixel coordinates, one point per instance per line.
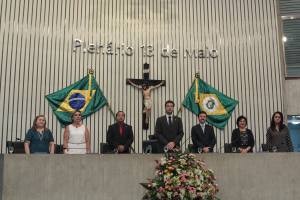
(203, 97)
(84, 95)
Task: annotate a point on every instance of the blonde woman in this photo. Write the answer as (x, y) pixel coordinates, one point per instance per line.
(76, 136)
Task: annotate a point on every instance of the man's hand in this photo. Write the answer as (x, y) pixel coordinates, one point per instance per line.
(171, 145)
(243, 150)
(121, 148)
(66, 150)
(247, 149)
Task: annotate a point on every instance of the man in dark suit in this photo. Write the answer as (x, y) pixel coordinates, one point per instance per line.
(120, 135)
(203, 135)
(168, 128)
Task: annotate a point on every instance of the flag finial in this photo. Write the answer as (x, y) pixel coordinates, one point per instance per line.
(197, 75)
(91, 71)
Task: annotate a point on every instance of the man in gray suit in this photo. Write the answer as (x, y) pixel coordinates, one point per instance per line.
(168, 128)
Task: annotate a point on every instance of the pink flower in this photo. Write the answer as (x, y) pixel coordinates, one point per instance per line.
(161, 189)
(183, 179)
(191, 189)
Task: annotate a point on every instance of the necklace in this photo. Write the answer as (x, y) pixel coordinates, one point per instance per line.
(41, 134)
(77, 125)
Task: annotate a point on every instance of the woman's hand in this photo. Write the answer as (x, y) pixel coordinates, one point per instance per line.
(66, 150)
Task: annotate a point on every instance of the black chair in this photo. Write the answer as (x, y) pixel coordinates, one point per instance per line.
(15, 147)
(106, 148)
(264, 147)
(59, 149)
(227, 148)
(152, 146)
(9, 147)
(191, 148)
(152, 137)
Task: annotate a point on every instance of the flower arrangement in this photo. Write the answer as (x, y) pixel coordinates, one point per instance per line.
(181, 176)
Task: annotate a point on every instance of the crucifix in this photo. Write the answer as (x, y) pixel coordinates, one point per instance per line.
(146, 85)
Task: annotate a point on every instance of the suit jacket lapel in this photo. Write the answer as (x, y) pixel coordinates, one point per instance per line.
(118, 129)
(126, 129)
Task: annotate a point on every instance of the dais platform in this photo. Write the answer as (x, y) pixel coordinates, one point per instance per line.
(257, 176)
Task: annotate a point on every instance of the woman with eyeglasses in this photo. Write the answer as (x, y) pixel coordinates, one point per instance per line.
(242, 139)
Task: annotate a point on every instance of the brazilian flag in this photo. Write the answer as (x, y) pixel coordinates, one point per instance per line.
(203, 97)
(84, 95)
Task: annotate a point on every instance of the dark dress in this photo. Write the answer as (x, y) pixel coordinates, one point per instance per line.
(39, 142)
(242, 139)
(280, 139)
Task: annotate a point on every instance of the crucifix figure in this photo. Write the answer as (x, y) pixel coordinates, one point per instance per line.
(146, 85)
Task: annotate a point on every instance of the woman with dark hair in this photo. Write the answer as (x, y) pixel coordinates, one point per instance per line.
(278, 135)
(76, 136)
(39, 139)
(242, 138)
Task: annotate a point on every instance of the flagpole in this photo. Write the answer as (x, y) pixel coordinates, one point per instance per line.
(197, 76)
(91, 72)
(197, 98)
(109, 108)
(179, 111)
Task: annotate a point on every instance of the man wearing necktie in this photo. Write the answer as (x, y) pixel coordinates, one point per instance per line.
(168, 128)
(203, 135)
(120, 135)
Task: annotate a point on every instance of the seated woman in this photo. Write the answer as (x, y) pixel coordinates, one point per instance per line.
(39, 139)
(76, 136)
(242, 138)
(278, 135)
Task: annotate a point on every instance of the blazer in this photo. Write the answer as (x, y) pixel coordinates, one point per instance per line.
(281, 139)
(166, 133)
(206, 139)
(114, 137)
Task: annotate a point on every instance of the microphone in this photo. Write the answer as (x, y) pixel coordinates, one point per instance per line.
(185, 142)
(132, 149)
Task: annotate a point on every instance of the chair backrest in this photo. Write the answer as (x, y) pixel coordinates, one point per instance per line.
(264, 147)
(18, 147)
(227, 148)
(152, 137)
(151, 146)
(191, 148)
(59, 149)
(105, 148)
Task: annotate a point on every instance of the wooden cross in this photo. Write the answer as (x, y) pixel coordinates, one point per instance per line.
(146, 85)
